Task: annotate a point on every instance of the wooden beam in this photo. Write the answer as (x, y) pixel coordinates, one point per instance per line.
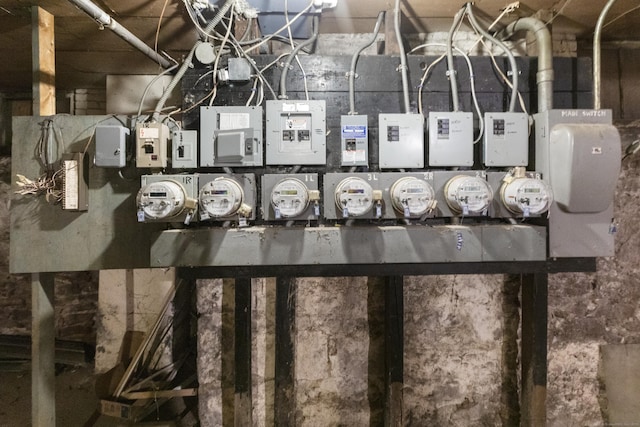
(243, 405)
(44, 62)
(394, 350)
(285, 402)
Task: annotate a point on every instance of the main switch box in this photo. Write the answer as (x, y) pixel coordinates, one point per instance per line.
(296, 133)
(450, 139)
(506, 139)
(401, 141)
(354, 136)
(230, 136)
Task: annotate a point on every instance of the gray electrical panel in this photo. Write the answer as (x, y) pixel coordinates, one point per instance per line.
(354, 134)
(230, 136)
(296, 132)
(450, 139)
(184, 149)
(111, 146)
(234, 196)
(401, 141)
(506, 139)
(578, 153)
(288, 197)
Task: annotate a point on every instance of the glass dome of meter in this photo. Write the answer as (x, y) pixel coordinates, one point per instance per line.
(354, 195)
(412, 196)
(221, 197)
(161, 199)
(290, 197)
(526, 196)
(468, 194)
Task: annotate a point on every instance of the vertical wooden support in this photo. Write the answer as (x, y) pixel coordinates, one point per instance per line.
(534, 349)
(43, 396)
(391, 46)
(43, 333)
(44, 62)
(394, 350)
(243, 406)
(285, 353)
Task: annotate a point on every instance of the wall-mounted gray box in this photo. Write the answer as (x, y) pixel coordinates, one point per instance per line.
(290, 183)
(450, 139)
(184, 149)
(247, 182)
(230, 136)
(354, 136)
(296, 132)
(111, 146)
(506, 139)
(401, 141)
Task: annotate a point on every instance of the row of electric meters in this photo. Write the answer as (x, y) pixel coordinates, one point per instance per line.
(296, 131)
(393, 195)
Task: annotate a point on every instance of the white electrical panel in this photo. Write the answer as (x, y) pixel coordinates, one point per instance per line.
(184, 149)
(296, 133)
(290, 197)
(167, 198)
(401, 141)
(526, 196)
(468, 195)
(354, 134)
(111, 146)
(506, 139)
(450, 139)
(413, 197)
(151, 145)
(230, 136)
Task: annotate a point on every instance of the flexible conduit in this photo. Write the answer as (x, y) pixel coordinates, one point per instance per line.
(292, 55)
(453, 80)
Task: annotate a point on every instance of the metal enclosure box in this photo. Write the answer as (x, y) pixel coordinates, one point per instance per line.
(111, 146)
(401, 141)
(450, 139)
(506, 139)
(230, 136)
(354, 137)
(246, 181)
(188, 182)
(440, 180)
(296, 132)
(269, 181)
(184, 149)
(151, 145)
(578, 234)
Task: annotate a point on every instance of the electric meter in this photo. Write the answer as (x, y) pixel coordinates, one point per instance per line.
(220, 198)
(526, 196)
(289, 198)
(469, 195)
(412, 197)
(161, 200)
(354, 197)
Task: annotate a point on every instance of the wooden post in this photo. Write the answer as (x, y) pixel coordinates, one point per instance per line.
(43, 333)
(243, 413)
(394, 350)
(285, 405)
(534, 350)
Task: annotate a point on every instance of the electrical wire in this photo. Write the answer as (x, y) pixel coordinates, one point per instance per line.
(558, 13)
(164, 7)
(294, 53)
(217, 61)
(146, 89)
(620, 16)
(296, 48)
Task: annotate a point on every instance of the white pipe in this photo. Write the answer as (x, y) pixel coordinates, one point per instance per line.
(107, 21)
(403, 59)
(597, 58)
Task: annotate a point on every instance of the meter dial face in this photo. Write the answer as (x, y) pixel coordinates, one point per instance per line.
(412, 196)
(221, 197)
(527, 196)
(355, 195)
(161, 200)
(468, 194)
(290, 197)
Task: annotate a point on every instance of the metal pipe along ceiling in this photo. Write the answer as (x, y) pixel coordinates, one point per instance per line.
(107, 21)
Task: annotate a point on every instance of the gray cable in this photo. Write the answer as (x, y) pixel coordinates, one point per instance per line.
(292, 55)
(507, 51)
(403, 58)
(450, 64)
(354, 61)
(216, 19)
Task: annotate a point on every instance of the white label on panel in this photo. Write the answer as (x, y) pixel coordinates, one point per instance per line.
(230, 121)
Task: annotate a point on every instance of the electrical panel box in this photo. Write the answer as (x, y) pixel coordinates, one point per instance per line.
(230, 136)
(296, 133)
(578, 153)
(353, 196)
(184, 149)
(111, 146)
(151, 145)
(401, 141)
(506, 139)
(450, 139)
(287, 197)
(354, 134)
(224, 197)
(167, 198)
(75, 188)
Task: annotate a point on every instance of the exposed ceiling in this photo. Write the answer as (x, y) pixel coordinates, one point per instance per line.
(84, 54)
